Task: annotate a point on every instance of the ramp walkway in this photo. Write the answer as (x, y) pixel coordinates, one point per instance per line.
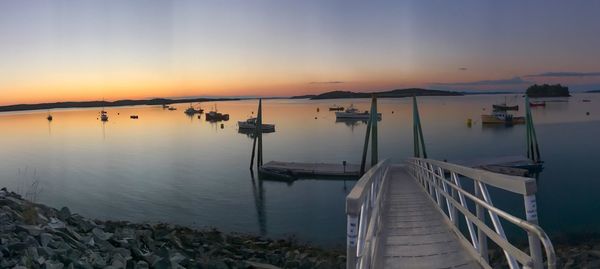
(416, 215)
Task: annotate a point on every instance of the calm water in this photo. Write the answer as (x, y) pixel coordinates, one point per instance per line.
(167, 166)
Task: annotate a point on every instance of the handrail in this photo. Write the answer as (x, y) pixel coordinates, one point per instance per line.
(431, 174)
(516, 184)
(363, 206)
(358, 191)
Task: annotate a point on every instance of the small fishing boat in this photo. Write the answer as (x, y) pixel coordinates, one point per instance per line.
(133, 116)
(250, 125)
(49, 117)
(172, 108)
(191, 110)
(501, 117)
(504, 107)
(165, 106)
(537, 104)
(103, 115)
(586, 100)
(215, 116)
(336, 108)
(353, 113)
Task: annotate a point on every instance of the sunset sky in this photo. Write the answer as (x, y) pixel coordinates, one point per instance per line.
(90, 50)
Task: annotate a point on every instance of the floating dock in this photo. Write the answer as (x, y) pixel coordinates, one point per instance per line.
(294, 170)
(509, 165)
(506, 161)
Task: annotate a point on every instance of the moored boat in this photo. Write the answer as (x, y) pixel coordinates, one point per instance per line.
(504, 107)
(103, 115)
(336, 108)
(251, 124)
(49, 117)
(501, 117)
(216, 116)
(191, 110)
(537, 104)
(353, 113)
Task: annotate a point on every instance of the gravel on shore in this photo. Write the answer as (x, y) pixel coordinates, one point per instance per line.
(37, 236)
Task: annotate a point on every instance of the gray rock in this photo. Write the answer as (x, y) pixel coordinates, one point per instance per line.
(45, 252)
(177, 258)
(56, 224)
(141, 265)
(125, 253)
(162, 263)
(17, 246)
(53, 265)
(258, 265)
(45, 239)
(323, 265)
(32, 253)
(100, 234)
(81, 223)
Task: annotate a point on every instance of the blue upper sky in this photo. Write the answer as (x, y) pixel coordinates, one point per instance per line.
(53, 50)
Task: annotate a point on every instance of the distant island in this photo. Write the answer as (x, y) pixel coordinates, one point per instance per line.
(398, 93)
(156, 101)
(594, 91)
(546, 90)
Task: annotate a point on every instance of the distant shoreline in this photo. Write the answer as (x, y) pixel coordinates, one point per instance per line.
(398, 93)
(89, 104)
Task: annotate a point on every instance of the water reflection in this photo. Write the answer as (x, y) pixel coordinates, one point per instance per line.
(259, 201)
(162, 168)
(351, 122)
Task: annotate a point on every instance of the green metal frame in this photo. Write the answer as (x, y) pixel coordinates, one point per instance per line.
(257, 137)
(371, 133)
(419, 142)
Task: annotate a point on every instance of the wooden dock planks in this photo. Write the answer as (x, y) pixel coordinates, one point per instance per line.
(414, 234)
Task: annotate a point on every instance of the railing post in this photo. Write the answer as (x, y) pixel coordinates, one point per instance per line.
(535, 247)
(351, 240)
(481, 236)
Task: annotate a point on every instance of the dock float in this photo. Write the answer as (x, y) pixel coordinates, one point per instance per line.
(509, 165)
(295, 170)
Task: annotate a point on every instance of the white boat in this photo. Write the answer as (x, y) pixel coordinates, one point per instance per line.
(103, 115)
(353, 113)
(250, 124)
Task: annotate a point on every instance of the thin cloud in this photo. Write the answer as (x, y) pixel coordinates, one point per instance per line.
(497, 82)
(325, 82)
(565, 74)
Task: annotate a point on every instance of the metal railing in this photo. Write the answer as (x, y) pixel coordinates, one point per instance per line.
(363, 207)
(442, 182)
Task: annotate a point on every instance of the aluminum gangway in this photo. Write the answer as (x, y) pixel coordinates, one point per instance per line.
(422, 214)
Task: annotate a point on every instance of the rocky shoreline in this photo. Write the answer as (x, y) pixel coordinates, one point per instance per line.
(37, 236)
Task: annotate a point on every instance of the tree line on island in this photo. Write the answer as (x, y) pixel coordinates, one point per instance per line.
(546, 90)
(398, 93)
